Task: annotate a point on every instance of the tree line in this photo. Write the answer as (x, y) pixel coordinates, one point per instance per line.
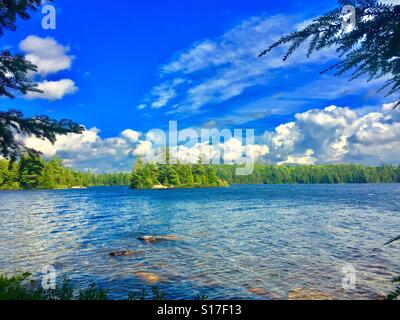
(32, 172)
(148, 175)
(338, 173)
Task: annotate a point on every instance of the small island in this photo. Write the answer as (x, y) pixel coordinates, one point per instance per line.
(168, 176)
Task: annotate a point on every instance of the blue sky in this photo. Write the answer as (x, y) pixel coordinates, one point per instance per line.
(137, 65)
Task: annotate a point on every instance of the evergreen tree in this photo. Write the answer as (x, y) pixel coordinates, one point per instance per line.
(14, 80)
(30, 170)
(371, 47)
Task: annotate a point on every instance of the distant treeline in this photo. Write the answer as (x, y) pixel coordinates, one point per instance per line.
(149, 175)
(340, 173)
(35, 173)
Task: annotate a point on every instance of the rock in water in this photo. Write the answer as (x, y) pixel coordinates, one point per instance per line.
(158, 187)
(152, 239)
(122, 253)
(148, 277)
(258, 291)
(305, 294)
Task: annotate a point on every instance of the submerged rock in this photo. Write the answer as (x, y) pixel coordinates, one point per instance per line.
(306, 294)
(258, 291)
(122, 253)
(148, 277)
(152, 239)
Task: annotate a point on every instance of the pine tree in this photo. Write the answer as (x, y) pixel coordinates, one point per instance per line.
(371, 47)
(14, 79)
(30, 170)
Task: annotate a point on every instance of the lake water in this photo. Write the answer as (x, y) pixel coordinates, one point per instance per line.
(252, 242)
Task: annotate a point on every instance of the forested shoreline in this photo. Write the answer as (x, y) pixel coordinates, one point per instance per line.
(35, 173)
(146, 176)
(312, 174)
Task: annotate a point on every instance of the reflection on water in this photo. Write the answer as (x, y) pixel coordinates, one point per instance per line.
(241, 242)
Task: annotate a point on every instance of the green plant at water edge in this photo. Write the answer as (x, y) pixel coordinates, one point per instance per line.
(92, 293)
(395, 294)
(15, 288)
(138, 295)
(142, 294)
(21, 287)
(201, 297)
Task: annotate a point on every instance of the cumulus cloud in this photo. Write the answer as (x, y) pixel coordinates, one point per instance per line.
(53, 90)
(232, 151)
(131, 135)
(49, 57)
(330, 135)
(47, 54)
(336, 135)
(143, 149)
(89, 151)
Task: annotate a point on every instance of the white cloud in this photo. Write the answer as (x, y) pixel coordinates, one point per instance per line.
(53, 90)
(304, 159)
(219, 69)
(49, 57)
(162, 94)
(89, 151)
(229, 152)
(331, 135)
(132, 135)
(335, 135)
(46, 53)
(143, 149)
(234, 151)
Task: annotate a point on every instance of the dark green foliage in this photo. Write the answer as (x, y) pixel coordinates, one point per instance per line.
(13, 70)
(13, 288)
(20, 288)
(10, 10)
(14, 80)
(395, 294)
(341, 173)
(145, 176)
(92, 293)
(138, 295)
(13, 122)
(201, 297)
(371, 48)
(32, 172)
(30, 169)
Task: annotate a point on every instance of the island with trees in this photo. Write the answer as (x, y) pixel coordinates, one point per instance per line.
(163, 176)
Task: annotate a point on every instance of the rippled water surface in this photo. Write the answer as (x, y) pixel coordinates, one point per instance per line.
(249, 242)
